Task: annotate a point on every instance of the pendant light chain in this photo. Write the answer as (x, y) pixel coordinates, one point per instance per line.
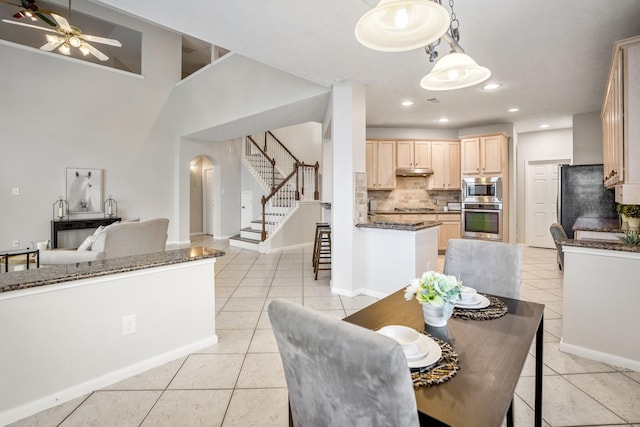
(455, 24)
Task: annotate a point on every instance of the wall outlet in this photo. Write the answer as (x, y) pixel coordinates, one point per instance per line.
(129, 324)
(15, 243)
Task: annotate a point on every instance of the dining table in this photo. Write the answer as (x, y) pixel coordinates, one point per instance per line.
(491, 356)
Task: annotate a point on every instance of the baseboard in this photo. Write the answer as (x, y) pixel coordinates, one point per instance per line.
(113, 377)
(600, 356)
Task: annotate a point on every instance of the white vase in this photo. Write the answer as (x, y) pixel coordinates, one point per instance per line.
(634, 223)
(434, 316)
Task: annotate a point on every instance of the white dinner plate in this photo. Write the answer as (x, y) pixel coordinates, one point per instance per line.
(434, 353)
(481, 302)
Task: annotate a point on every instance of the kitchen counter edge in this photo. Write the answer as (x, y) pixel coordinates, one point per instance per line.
(601, 244)
(49, 275)
(397, 225)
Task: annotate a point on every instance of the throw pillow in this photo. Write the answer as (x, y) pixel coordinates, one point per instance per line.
(87, 243)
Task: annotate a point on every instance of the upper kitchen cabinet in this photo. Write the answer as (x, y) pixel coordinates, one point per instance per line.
(445, 163)
(485, 155)
(621, 122)
(381, 165)
(414, 154)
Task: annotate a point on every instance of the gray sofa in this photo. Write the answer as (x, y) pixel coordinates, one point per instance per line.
(114, 241)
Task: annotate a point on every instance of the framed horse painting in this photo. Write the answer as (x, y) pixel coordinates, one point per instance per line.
(84, 190)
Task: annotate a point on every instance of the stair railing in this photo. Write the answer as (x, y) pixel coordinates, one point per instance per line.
(264, 161)
(282, 201)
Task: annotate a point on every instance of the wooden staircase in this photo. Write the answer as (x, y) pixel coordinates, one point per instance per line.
(285, 180)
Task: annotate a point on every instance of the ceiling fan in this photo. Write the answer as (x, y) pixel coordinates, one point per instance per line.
(29, 9)
(67, 36)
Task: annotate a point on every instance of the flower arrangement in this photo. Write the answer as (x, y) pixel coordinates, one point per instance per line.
(434, 288)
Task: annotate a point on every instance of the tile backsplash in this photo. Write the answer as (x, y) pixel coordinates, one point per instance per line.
(412, 192)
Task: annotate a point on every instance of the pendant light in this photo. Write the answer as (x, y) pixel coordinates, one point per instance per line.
(456, 70)
(401, 25)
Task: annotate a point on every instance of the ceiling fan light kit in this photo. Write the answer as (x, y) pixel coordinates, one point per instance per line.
(401, 25)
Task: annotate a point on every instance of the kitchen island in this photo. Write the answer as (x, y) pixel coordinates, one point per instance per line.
(601, 293)
(71, 329)
(598, 229)
(394, 252)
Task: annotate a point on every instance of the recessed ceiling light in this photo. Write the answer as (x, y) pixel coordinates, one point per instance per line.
(443, 120)
(544, 125)
(491, 86)
(406, 103)
(514, 110)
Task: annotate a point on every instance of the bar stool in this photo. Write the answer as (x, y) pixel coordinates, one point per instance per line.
(319, 225)
(323, 252)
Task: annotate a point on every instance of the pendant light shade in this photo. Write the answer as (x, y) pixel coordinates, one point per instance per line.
(455, 71)
(401, 25)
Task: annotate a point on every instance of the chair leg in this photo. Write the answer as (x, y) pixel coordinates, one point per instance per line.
(510, 415)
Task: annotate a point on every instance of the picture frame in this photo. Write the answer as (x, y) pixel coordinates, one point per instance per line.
(84, 190)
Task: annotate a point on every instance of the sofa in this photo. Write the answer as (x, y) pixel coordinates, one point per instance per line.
(117, 240)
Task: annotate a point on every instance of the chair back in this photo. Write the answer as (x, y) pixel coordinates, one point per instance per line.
(558, 233)
(491, 267)
(340, 374)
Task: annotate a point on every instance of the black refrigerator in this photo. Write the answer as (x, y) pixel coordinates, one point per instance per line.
(581, 192)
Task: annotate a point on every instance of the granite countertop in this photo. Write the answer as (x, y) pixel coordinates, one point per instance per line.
(50, 275)
(601, 244)
(398, 225)
(598, 224)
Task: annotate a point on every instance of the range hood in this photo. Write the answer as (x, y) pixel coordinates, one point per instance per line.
(414, 172)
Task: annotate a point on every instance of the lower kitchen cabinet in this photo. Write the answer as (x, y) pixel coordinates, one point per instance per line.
(449, 229)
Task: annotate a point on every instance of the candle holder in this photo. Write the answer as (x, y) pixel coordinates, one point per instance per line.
(110, 207)
(60, 209)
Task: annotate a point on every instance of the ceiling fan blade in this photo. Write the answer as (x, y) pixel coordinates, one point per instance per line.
(96, 39)
(45, 19)
(50, 47)
(62, 23)
(95, 52)
(29, 26)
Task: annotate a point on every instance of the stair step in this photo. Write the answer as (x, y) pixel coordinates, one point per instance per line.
(239, 242)
(251, 233)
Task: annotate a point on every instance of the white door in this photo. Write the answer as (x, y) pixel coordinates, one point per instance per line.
(207, 204)
(542, 196)
(246, 209)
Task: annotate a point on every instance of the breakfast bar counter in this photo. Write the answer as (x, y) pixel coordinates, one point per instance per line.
(115, 318)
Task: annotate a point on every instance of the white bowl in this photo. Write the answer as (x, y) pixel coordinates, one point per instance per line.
(468, 295)
(404, 335)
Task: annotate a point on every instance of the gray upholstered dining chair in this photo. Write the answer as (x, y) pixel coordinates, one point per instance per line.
(558, 233)
(340, 374)
(491, 267)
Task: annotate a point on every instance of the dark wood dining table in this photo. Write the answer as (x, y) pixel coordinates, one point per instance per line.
(491, 355)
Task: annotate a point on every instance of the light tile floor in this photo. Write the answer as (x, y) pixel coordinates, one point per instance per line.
(240, 381)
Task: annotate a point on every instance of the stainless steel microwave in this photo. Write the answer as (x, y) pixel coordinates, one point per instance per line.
(482, 190)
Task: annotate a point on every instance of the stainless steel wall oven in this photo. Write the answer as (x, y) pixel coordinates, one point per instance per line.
(482, 208)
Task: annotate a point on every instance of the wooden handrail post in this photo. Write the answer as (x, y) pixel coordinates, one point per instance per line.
(316, 193)
(263, 235)
(296, 167)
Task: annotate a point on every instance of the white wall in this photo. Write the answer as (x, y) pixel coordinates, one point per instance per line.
(537, 146)
(587, 139)
(411, 133)
(303, 140)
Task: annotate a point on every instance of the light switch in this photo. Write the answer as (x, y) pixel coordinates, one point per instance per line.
(15, 191)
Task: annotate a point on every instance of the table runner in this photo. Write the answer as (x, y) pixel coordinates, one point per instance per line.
(496, 309)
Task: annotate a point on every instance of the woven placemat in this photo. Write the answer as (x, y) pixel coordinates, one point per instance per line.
(496, 309)
(443, 370)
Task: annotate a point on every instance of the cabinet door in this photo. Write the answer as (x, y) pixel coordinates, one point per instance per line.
(422, 154)
(448, 230)
(438, 164)
(453, 180)
(491, 151)
(386, 165)
(405, 154)
(471, 156)
(372, 172)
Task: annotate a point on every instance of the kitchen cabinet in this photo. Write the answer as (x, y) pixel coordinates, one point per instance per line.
(381, 165)
(484, 155)
(621, 122)
(413, 154)
(449, 229)
(445, 163)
